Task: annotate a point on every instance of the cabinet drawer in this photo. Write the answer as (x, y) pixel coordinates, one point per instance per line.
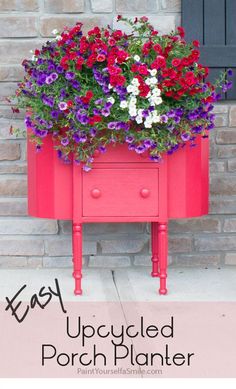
(120, 192)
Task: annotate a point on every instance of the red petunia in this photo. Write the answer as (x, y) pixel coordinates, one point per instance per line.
(159, 62)
(176, 62)
(157, 48)
(134, 68)
(122, 56)
(117, 35)
(143, 69)
(101, 57)
(69, 103)
(143, 88)
(144, 19)
(79, 63)
(114, 70)
(196, 43)
(95, 119)
(117, 80)
(181, 31)
(111, 41)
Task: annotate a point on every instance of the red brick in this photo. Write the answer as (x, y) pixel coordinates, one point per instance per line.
(17, 26)
(66, 6)
(16, 5)
(9, 151)
(13, 186)
(203, 224)
(226, 136)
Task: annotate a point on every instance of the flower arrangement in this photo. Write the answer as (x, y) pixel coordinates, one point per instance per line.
(107, 87)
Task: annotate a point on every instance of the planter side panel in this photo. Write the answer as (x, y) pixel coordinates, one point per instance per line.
(188, 181)
(49, 183)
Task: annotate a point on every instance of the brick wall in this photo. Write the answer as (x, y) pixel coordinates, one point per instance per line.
(28, 242)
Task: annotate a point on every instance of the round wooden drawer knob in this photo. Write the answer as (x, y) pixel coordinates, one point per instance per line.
(145, 193)
(95, 193)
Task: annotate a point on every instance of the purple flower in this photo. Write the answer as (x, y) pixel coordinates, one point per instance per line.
(40, 133)
(82, 117)
(62, 106)
(211, 126)
(47, 100)
(59, 153)
(49, 80)
(129, 139)
(93, 132)
(59, 69)
(65, 141)
(99, 101)
(76, 84)
(131, 146)
(111, 125)
(54, 114)
(164, 118)
(70, 75)
(102, 149)
(145, 113)
(54, 76)
(140, 149)
(147, 143)
(108, 105)
(105, 112)
(87, 168)
(185, 137)
(155, 158)
(96, 111)
(230, 72)
(80, 137)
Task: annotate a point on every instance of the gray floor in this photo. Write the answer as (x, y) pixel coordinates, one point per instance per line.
(184, 284)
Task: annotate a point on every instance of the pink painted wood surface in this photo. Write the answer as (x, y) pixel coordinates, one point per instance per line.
(176, 187)
(122, 187)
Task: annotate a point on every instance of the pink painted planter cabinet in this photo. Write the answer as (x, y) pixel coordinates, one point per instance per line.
(121, 187)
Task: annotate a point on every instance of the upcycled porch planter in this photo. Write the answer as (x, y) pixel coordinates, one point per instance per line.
(121, 187)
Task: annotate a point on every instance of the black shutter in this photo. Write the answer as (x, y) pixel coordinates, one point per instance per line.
(213, 23)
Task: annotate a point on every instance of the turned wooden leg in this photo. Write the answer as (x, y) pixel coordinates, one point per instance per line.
(154, 241)
(77, 256)
(163, 252)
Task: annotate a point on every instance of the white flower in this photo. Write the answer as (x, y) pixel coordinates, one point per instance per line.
(123, 104)
(110, 86)
(148, 123)
(55, 31)
(153, 81)
(111, 100)
(132, 112)
(133, 100)
(155, 117)
(137, 58)
(140, 112)
(156, 92)
(148, 81)
(136, 91)
(130, 88)
(139, 119)
(157, 100)
(58, 38)
(153, 72)
(135, 82)
(33, 58)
